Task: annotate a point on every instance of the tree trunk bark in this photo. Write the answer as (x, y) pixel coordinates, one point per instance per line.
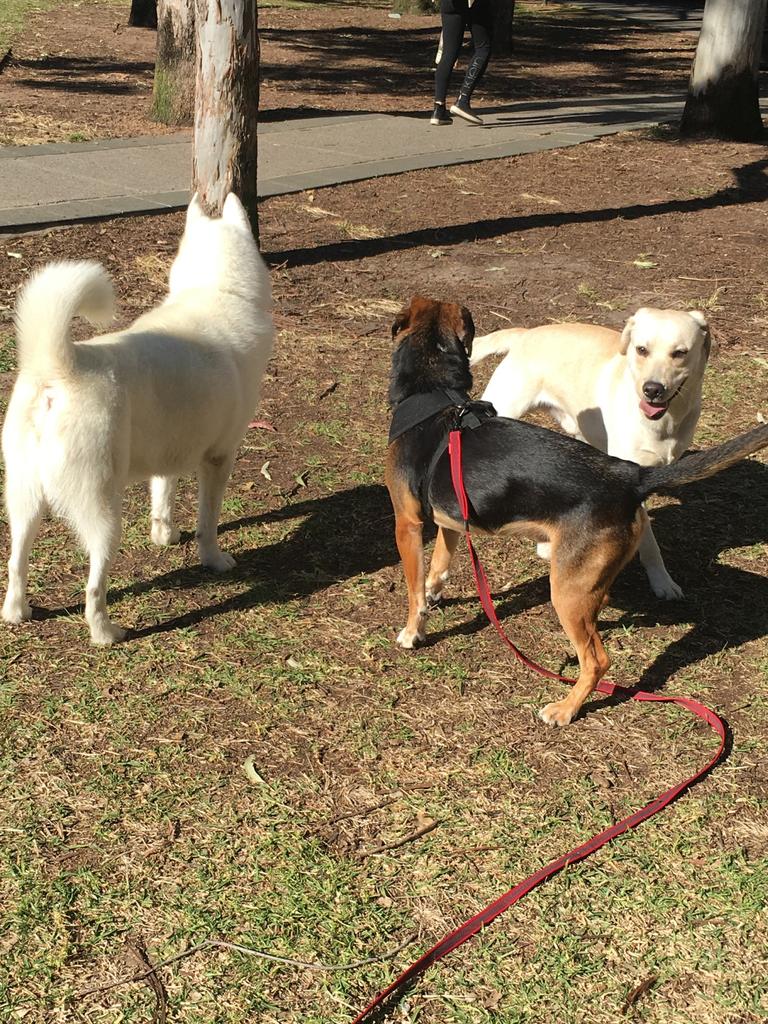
(174, 92)
(722, 92)
(227, 104)
(143, 14)
(503, 16)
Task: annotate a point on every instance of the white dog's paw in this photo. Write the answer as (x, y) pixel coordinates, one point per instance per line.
(105, 633)
(665, 587)
(557, 713)
(164, 534)
(16, 611)
(219, 561)
(408, 639)
(544, 550)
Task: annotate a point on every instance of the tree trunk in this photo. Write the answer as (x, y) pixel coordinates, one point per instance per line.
(227, 104)
(503, 16)
(143, 14)
(722, 92)
(174, 92)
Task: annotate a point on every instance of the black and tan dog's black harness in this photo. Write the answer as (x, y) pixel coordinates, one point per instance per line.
(420, 407)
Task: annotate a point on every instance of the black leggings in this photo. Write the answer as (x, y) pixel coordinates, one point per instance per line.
(456, 16)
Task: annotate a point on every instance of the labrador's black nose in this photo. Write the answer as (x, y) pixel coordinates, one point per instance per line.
(653, 391)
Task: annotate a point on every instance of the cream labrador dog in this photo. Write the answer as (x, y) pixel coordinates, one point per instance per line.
(171, 394)
(635, 394)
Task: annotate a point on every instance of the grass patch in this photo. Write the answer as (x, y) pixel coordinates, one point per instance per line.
(7, 352)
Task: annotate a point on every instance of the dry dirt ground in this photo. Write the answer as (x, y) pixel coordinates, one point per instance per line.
(128, 825)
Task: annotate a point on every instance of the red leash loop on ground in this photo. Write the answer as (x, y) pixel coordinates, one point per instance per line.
(378, 1008)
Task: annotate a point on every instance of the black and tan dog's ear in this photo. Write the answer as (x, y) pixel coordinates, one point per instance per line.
(467, 334)
(401, 320)
(626, 335)
(701, 320)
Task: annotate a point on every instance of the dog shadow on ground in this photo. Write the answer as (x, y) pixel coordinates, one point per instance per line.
(345, 534)
(351, 533)
(727, 606)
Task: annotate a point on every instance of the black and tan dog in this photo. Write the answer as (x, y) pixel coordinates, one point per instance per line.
(520, 479)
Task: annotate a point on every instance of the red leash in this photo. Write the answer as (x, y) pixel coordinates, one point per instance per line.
(378, 1009)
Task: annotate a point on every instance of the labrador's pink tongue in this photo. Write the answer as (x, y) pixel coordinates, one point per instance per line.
(653, 412)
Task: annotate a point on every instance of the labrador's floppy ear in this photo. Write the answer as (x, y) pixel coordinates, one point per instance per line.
(626, 335)
(701, 320)
(467, 334)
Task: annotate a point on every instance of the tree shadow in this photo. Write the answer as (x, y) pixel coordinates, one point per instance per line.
(83, 85)
(85, 74)
(751, 187)
(400, 63)
(84, 65)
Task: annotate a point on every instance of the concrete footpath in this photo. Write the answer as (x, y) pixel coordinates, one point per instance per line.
(55, 184)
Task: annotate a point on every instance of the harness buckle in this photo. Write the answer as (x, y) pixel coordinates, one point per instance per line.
(471, 414)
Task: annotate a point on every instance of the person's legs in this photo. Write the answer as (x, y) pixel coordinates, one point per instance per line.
(481, 26)
(453, 15)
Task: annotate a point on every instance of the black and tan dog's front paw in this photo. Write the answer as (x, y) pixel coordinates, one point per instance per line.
(558, 713)
(435, 589)
(409, 638)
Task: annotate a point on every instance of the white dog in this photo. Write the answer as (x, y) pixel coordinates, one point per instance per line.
(171, 394)
(635, 395)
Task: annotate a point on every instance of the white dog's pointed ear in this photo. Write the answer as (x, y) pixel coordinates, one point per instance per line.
(233, 212)
(626, 335)
(195, 210)
(701, 320)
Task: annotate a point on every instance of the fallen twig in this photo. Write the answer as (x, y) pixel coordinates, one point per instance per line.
(400, 842)
(638, 992)
(328, 391)
(138, 952)
(236, 947)
(362, 812)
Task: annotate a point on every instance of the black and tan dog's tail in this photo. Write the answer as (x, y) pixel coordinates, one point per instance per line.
(702, 464)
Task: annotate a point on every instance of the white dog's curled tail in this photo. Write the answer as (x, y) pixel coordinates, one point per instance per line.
(46, 306)
(496, 344)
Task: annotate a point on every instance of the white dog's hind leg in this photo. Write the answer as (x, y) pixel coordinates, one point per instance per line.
(25, 503)
(100, 529)
(661, 582)
(163, 497)
(212, 477)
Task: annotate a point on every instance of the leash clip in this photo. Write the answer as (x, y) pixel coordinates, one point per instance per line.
(472, 413)
(459, 412)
